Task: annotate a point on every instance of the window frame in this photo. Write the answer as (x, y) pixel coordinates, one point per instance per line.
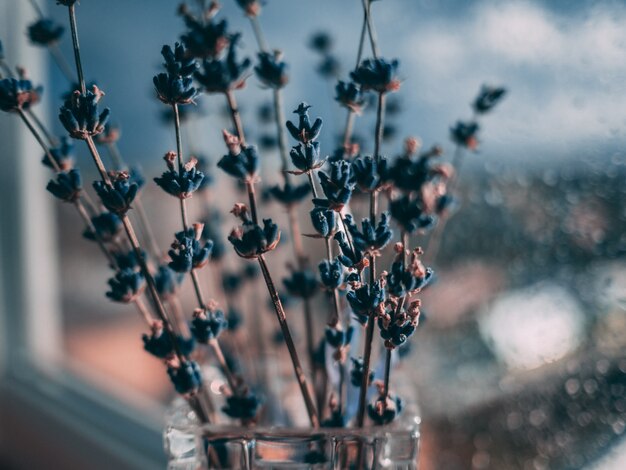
(47, 412)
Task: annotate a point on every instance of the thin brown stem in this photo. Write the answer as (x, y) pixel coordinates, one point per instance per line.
(49, 137)
(279, 116)
(252, 199)
(367, 5)
(98, 160)
(258, 33)
(235, 116)
(295, 360)
(143, 311)
(230, 378)
(116, 156)
(333, 320)
(90, 227)
(79, 66)
(309, 174)
(40, 141)
(146, 228)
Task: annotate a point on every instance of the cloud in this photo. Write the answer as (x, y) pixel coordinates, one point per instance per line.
(566, 71)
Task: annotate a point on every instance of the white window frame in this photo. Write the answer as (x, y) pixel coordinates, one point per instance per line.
(49, 417)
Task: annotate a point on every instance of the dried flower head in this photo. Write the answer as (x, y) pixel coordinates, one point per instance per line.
(304, 132)
(378, 75)
(243, 405)
(331, 273)
(207, 324)
(63, 155)
(67, 186)
(409, 213)
(301, 283)
(175, 86)
(108, 227)
(250, 240)
(356, 374)
(339, 338)
(224, 75)
(465, 134)
(305, 157)
(186, 377)
(290, 194)
(45, 31)
(371, 238)
(350, 256)
(324, 221)
(271, 70)
(181, 182)
(189, 251)
(126, 286)
(488, 98)
(336, 186)
(167, 281)
(80, 115)
(369, 173)
(118, 196)
(18, 94)
(321, 42)
(204, 37)
(365, 300)
(348, 95)
(159, 342)
(240, 162)
(384, 410)
(250, 7)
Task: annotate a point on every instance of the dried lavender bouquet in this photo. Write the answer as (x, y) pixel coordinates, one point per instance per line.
(369, 308)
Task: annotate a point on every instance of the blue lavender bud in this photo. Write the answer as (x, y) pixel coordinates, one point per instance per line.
(401, 281)
(271, 70)
(383, 412)
(18, 94)
(304, 132)
(176, 85)
(67, 186)
(242, 406)
(350, 257)
(181, 182)
(339, 338)
(488, 98)
(305, 157)
(118, 196)
(289, 194)
(329, 67)
(409, 213)
(108, 227)
(348, 95)
(321, 42)
(242, 165)
(159, 343)
(395, 333)
(231, 282)
(67, 3)
(188, 252)
(365, 300)
(234, 319)
(336, 420)
(205, 37)
(369, 173)
(324, 221)
(126, 286)
(207, 324)
(410, 174)
(167, 281)
(356, 374)
(446, 203)
(370, 238)
(128, 259)
(336, 185)
(45, 32)
(63, 155)
(186, 378)
(79, 114)
(302, 284)
(212, 223)
(378, 75)
(222, 76)
(250, 240)
(136, 176)
(464, 134)
(331, 273)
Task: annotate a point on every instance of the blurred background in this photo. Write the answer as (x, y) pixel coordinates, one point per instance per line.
(521, 360)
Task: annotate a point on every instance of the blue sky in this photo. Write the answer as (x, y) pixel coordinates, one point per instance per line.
(564, 63)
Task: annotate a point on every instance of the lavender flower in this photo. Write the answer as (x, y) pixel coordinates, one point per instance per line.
(305, 157)
(205, 37)
(350, 257)
(63, 155)
(365, 299)
(378, 75)
(329, 67)
(331, 273)
(45, 32)
(410, 214)
(176, 86)
(401, 281)
(110, 135)
(67, 3)
(181, 183)
(348, 95)
(159, 342)
(250, 240)
(67, 186)
(383, 411)
(302, 284)
(324, 221)
(304, 132)
(369, 173)
(126, 286)
(464, 134)
(207, 324)
(222, 76)
(356, 374)
(118, 196)
(18, 94)
(488, 98)
(271, 70)
(321, 42)
(370, 239)
(186, 378)
(242, 406)
(79, 114)
(128, 259)
(336, 186)
(251, 7)
(240, 162)
(108, 227)
(167, 281)
(339, 338)
(188, 252)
